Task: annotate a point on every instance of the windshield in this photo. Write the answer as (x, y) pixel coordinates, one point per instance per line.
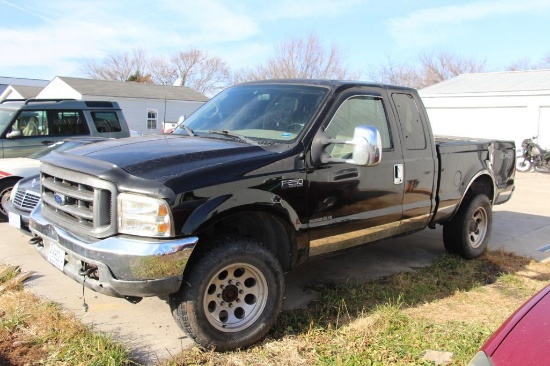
(6, 116)
(264, 113)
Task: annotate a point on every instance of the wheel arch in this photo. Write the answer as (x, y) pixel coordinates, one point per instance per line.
(481, 183)
(272, 222)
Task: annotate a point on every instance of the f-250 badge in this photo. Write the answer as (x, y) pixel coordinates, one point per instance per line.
(292, 183)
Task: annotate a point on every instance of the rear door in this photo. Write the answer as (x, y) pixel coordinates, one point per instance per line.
(348, 204)
(419, 171)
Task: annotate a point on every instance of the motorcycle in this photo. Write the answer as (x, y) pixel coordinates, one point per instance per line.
(533, 157)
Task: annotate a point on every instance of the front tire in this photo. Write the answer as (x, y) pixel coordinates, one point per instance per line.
(6, 186)
(523, 165)
(231, 296)
(468, 233)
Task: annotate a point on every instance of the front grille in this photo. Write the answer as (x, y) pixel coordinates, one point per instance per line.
(26, 200)
(81, 203)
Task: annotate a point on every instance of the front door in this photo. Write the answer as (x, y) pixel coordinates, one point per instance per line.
(348, 204)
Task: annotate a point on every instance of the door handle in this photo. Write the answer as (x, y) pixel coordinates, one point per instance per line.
(398, 174)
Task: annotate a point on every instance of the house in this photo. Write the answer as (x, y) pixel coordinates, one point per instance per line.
(20, 88)
(145, 106)
(511, 105)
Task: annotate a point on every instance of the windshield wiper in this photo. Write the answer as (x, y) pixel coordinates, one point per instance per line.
(233, 134)
(188, 130)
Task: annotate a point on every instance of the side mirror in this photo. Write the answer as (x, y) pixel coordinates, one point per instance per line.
(14, 134)
(367, 147)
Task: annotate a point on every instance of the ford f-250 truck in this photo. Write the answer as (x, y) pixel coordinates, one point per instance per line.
(261, 178)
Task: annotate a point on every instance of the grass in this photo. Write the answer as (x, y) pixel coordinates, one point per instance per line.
(451, 306)
(38, 332)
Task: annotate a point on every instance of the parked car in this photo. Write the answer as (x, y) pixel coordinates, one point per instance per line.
(523, 339)
(14, 169)
(30, 125)
(25, 196)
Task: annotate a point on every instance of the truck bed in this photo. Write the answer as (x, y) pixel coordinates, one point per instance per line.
(455, 156)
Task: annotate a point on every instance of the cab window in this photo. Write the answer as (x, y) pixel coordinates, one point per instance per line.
(414, 136)
(356, 111)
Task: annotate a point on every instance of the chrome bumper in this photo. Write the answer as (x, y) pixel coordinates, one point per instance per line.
(127, 266)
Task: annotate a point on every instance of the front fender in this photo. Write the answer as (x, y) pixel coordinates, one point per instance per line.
(246, 200)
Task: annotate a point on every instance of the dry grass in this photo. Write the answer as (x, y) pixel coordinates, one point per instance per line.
(34, 332)
(453, 305)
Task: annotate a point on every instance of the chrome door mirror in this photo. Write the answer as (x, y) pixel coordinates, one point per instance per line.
(366, 142)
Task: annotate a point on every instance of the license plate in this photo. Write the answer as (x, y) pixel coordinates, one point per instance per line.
(56, 256)
(14, 220)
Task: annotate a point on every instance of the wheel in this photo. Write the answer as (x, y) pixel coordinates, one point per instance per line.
(6, 187)
(523, 165)
(231, 296)
(468, 233)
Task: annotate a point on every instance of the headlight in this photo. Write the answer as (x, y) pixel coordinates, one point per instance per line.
(144, 216)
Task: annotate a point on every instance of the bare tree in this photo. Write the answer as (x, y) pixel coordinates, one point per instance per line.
(119, 66)
(395, 73)
(299, 58)
(428, 69)
(163, 71)
(526, 64)
(200, 72)
(442, 65)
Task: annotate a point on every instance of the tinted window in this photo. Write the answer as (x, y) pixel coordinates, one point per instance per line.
(69, 123)
(106, 121)
(411, 125)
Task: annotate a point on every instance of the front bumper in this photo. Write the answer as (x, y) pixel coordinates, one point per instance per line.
(21, 216)
(127, 266)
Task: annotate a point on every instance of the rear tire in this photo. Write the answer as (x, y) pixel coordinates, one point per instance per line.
(231, 296)
(523, 165)
(468, 233)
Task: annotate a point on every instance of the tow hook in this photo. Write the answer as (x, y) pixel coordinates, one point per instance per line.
(87, 271)
(35, 240)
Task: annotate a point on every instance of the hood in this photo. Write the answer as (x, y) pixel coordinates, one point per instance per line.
(162, 157)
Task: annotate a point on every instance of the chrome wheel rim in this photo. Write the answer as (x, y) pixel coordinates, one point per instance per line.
(478, 227)
(4, 197)
(235, 297)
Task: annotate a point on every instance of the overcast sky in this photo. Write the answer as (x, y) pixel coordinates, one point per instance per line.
(47, 38)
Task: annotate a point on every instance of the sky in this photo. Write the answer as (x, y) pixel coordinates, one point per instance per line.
(43, 39)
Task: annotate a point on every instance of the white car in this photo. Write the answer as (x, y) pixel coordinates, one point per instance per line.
(14, 169)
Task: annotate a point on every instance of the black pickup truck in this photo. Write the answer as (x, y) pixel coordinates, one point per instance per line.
(261, 178)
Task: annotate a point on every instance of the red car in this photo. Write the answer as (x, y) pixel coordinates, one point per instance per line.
(523, 339)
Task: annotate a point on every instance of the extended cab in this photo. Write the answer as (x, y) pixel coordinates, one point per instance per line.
(261, 178)
(29, 125)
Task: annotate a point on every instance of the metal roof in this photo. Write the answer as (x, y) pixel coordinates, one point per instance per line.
(109, 88)
(493, 82)
(4, 80)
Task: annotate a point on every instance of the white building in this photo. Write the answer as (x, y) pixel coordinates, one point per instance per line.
(511, 105)
(145, 106)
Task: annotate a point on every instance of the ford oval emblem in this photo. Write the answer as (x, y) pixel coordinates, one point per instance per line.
(59, 198)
